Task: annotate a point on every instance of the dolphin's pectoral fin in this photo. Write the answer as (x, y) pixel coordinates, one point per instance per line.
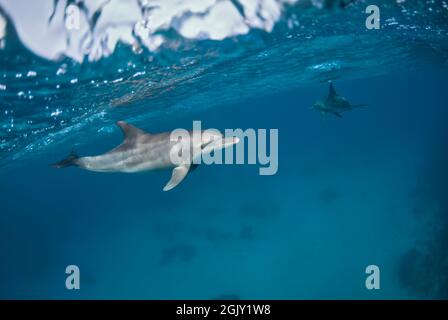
(337, 114)
(177, 176)
(130, 132)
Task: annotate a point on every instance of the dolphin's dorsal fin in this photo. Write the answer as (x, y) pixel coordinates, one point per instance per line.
(129, 131)
(179, 173)
(332, 91)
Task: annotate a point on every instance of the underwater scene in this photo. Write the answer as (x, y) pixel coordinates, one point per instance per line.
(342, 192)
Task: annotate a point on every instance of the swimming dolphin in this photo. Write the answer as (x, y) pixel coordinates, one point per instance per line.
(142, 151)
(334, 103)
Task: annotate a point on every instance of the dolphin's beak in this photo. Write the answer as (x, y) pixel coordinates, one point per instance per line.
(221, 144)
(228, 142)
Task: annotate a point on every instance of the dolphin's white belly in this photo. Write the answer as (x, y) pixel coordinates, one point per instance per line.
(140, 158)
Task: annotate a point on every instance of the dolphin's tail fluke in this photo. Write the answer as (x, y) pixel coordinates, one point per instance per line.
(67, 162)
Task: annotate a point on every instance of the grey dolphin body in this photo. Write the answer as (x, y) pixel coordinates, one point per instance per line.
(334, 104)
(142, 151)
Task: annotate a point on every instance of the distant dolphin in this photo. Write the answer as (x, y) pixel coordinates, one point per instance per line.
(334, 103)
(142, 151)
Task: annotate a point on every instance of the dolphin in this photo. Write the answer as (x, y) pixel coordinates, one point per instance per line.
(334, 103)
(142, 151)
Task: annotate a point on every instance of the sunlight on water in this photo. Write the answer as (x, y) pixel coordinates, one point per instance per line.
(41, 100)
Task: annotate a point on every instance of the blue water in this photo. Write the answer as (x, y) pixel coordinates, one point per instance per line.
(366, 189)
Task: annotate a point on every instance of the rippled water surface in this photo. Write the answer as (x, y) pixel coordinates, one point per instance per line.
(44, 103)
